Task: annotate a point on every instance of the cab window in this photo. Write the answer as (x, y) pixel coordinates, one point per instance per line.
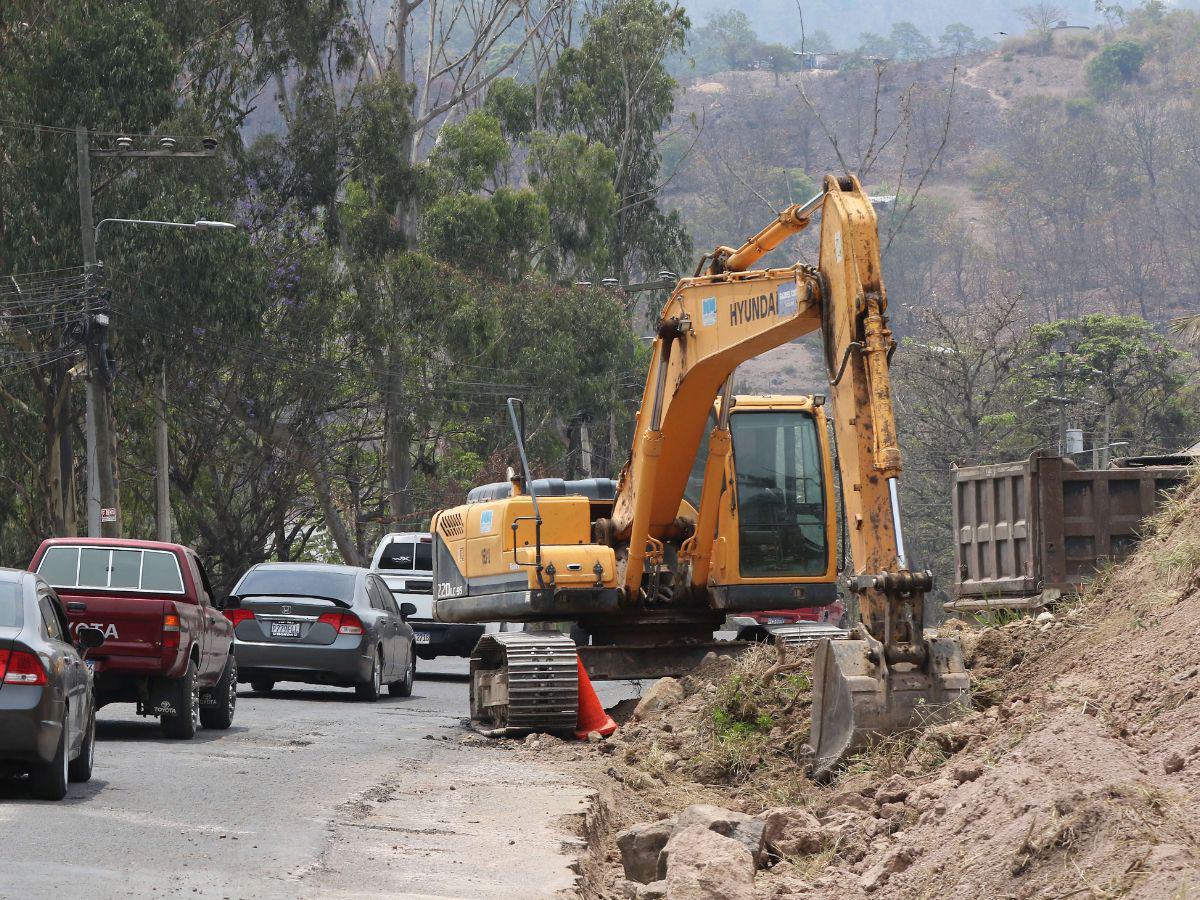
(780, 494)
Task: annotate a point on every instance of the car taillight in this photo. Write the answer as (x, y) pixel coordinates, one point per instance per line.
(238, 615)
(343, 623)
(19, 667)
(170, 630)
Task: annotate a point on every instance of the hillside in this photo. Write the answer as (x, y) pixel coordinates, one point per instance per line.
(1076, 775)
(1040, 219)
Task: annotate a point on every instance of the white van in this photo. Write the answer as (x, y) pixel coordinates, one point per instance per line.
(405, 561)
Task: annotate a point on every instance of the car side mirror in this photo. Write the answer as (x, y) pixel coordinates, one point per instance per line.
(89, 638)
(407, 609)
(221, 603)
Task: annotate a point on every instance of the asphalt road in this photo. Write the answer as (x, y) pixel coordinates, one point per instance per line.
(312, 793)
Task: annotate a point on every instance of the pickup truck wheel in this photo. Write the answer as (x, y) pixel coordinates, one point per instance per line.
(187, 700)
(80, 768)
(49, 781)
(262, 685)
(404, 687)
(220, 716)
(371, 690)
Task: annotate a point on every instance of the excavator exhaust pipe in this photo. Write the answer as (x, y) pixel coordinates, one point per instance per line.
(858, 697)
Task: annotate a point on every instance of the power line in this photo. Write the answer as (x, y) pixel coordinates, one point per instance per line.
(58, 129)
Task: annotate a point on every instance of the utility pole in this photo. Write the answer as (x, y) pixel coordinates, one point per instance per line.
(103, 520)
(1061, 389)
(104, 514)
(162, 475)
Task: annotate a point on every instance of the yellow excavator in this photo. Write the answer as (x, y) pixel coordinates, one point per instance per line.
(726, 504)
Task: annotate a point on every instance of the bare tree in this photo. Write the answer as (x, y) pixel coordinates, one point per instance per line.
(1041, 16)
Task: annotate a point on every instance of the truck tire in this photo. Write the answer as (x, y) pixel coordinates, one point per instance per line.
(187, 700)
(404, 687)
(80, 768)
(371, 689)
(262, 685)
(49, 781)
(220, 715)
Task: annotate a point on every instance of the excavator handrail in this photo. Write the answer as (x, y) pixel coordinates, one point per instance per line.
(519, 431)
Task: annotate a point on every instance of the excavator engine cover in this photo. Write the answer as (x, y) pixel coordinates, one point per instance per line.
(858, 696)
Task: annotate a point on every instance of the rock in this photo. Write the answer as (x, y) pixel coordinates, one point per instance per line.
(746, 830)
(704, 865)
(848, 832)
(792, 831)
(655, 890)
(892, 863)
(595, 737)
(1173, 762)
(966, 772)
(892, 811)
(1044, 617)
(625, 888)
(1186, 674)
(663, 694)
(893, 790)
(933, 790)
(640, 847)
(851, 799)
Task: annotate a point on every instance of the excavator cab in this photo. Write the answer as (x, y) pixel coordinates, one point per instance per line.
(776, 520)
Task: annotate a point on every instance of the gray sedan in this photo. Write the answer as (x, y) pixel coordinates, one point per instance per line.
(47, 703)
(321, 624)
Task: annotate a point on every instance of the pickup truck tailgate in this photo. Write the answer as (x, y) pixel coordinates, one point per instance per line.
(132, 626)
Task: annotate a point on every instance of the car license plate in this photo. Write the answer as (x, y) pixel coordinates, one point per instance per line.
(421, 637)
(776, 620)
(285, 629)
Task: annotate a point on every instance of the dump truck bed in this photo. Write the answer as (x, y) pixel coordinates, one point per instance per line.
(1030, 531)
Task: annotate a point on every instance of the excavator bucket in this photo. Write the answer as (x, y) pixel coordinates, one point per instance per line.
(857, 696)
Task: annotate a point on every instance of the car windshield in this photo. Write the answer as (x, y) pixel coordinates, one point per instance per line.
(407, 557)
(10, 604)
(297, 582)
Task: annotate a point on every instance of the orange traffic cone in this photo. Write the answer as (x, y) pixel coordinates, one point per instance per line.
(592, 716)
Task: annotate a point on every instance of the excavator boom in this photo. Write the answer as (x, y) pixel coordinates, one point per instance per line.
(649, 569)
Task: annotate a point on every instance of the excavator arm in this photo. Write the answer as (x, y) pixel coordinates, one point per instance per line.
(891, 673)
(638, 572)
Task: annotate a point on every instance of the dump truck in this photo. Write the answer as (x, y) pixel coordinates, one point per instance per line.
(1029, 532)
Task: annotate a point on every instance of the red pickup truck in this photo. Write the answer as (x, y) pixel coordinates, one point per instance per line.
(167, 646)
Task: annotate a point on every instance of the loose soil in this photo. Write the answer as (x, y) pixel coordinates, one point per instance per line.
(1077, 774)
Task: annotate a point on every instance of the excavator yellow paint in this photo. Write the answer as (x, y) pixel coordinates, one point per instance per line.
(726, 503)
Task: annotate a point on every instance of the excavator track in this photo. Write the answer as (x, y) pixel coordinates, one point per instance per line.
(525, 681)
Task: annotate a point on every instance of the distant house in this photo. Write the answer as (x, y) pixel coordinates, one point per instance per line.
(812, 60)
(1064, 32)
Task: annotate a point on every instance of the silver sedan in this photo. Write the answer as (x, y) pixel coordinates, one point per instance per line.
(321, 624)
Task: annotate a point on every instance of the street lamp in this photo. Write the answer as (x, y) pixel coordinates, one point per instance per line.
(199, 224)
(97, 413)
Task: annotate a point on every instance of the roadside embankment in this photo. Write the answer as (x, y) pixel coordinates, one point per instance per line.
(1076, 774)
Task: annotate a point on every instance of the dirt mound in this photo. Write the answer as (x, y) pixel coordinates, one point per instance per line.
(1076, 775)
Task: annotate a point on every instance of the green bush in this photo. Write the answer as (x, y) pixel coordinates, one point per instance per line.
(1114, 66)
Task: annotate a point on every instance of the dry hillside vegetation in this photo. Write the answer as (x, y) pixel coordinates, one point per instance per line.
(1076, 775)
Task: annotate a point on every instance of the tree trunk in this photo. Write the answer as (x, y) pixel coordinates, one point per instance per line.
(399, 459)
(342, 538)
